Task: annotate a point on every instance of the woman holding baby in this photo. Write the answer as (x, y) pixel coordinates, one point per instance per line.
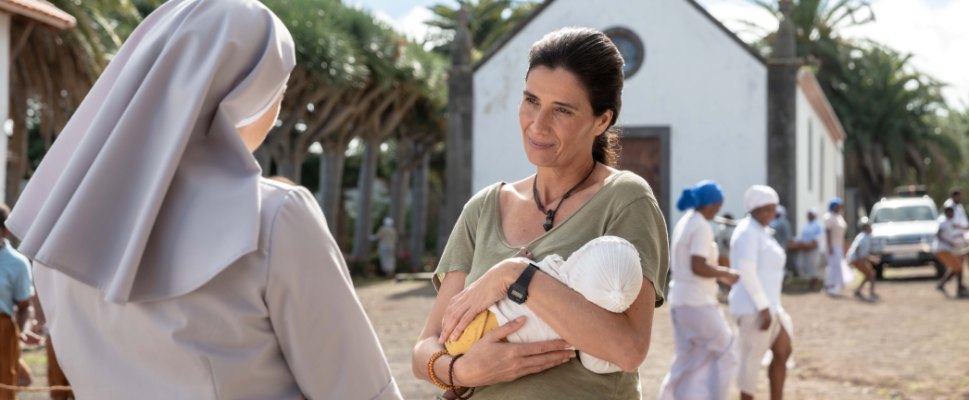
(570, 103)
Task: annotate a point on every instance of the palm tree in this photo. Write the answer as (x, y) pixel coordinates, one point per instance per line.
(890, 112)
(817, 26)
(490, 22)
(888, 109)
(53, 71)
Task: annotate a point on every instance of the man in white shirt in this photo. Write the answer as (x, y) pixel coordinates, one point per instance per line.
(959, 218)
(807, 249)
(835, 227)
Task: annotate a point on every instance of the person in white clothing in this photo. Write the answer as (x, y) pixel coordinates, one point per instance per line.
(386, 238)
(959, 218)
(167, 267)
(724, 233)
(807, 249)
(705, 360)
(950, 247)
(860, 257)
(756, 302)
(834, 229)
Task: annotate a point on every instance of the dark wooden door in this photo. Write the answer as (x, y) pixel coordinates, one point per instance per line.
(644, 156)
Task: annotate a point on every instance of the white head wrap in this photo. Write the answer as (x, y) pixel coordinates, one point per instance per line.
(149, 191)
(758, 196)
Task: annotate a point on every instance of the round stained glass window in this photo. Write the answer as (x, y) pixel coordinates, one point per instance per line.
(630, 46)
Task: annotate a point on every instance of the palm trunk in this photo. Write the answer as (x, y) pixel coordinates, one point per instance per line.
(368, 173)
(419, 214)
(332, 164)
(400, 182)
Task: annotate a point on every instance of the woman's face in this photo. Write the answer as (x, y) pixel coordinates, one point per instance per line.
(764, 215)
(709, 211)
(255, 133)
(557, 122)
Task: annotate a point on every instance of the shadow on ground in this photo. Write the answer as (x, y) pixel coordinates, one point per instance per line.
(422, 291)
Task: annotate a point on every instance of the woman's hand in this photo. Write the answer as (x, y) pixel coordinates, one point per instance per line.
(487, 290)
(765, 319)
(491, 360)
(730, 277)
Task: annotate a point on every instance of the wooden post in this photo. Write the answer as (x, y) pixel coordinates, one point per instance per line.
(5, 63)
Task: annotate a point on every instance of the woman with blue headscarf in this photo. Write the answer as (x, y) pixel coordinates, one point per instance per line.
(705, 361)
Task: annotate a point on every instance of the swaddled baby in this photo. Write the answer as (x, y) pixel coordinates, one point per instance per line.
(606, 271)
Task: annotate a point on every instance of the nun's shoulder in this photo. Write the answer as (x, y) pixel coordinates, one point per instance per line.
(281, 197)
(628, 186)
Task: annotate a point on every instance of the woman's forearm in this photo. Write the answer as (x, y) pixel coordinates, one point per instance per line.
(428, 344)
(620, 338)
(700, 267)
(423, 351)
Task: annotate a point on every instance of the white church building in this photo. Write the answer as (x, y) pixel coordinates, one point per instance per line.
(694, 104)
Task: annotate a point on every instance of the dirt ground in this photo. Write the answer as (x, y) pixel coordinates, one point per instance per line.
(913, 344)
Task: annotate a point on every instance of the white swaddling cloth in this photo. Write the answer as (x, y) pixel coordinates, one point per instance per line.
(606, 271)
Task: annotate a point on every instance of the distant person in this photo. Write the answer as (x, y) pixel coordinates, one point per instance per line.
(834, 233)
(950, 247)
(705, 360)
(807, 248)
(386, 238)
(781, 227)
(960, 220)
(756, 302)
(859, 256)
(724, 232)
(16, 290)
(168, 268)
(727, 224)
(783, 234)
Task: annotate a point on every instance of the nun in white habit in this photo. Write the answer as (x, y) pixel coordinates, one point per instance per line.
(167, 267)
(706, 359)
(756, 301)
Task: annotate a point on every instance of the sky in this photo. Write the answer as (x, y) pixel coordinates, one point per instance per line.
(935, 32)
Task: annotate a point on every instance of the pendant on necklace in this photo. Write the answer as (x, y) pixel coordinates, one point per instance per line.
(548, 220)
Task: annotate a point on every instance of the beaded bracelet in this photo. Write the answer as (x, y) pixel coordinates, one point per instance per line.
(450, 374)
(432, 375)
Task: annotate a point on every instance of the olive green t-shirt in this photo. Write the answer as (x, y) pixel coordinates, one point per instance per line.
(625, 207)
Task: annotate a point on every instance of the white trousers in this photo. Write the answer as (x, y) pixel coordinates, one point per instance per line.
(834, 276)
(706, 356)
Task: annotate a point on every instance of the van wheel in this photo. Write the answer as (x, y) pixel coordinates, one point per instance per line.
(880, 271)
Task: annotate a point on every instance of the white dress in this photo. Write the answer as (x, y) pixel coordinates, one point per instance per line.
(706, 359)
(282, 322)
(835, 275)
(760, 261)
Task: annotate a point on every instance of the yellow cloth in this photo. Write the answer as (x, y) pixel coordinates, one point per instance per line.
(482, 323)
